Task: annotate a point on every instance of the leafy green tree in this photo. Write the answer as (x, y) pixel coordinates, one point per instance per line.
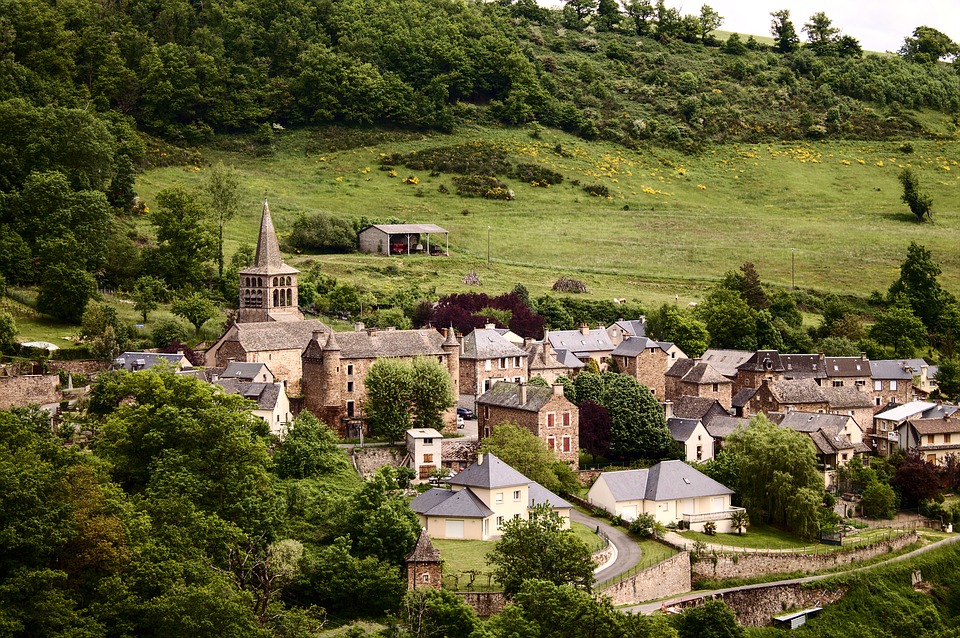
(431, 391)
(878, 500)
(184, 244)
(900, 329)
(426, 613)
(740, 520)
(588, 386)
(729, 320)
(196, 308)
(822, 36)
(222, 192)
(641, 12)
(121, 193)
(948, 378)
(707, 22)
(928, 45)
(525, 452)
(309, 448)
(671, 324)
(103, 331)
(15, 257)
(389, 389)
(379, 520)
(169, 330)
(594, 428)
(638, 427)
(8, 331)
(920, 203)
(784, 33)
(64, 292)
(747, 284)
(734, 45)
(608, 15)
(540, 548)
(147, 294)
(713, 619)
(779, 482)
(916, 480)
(918, 281)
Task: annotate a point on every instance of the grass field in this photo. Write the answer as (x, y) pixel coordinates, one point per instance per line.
(673, 223)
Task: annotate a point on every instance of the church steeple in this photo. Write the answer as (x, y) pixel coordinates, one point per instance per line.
(268, 288)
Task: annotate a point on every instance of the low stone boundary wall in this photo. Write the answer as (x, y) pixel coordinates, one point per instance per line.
(756, 606)
(669, 578)
(749, 565)
(588, 477)
(26, 389)
(485, 603)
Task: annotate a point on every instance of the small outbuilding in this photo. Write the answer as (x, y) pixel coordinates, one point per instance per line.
(405, 239)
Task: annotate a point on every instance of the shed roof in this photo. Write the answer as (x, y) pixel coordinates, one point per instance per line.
(404, 229)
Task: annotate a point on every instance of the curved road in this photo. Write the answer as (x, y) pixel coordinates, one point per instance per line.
(628, 553)
(649, 608)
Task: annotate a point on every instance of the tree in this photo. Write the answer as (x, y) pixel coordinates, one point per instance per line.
(920, 203)
(184, 243)
(948, 378)
(740, 520)
(121, 193)
(169, 330)
(147, 294)
(196, 308)
(103, 332)
(779, 482)
(641, 12)
(784, 33)
(608, 15)
(594, 429)
(539, 548)
(431, 613)
(222, 191)
(588, 386)
(878, 500)
(918, 281)
(309, 448)
(8, 331)
(431, 390)
(713, 619)
(821, 34)
(671, 324)
(525, 452)
(638, 427)
(916, 480)
(900, 329)
(64, 292)
(707, 22)
(729, 320)
(389, 389)
(928, 46)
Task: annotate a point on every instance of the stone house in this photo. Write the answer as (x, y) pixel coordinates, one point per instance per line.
(720, 427)
(481, 499)
(247, 372)
(726, 361)
(584, 343)
(543, 411)
(695, 378)
(762, 365)
(134, 361)
(273, 405)
(671, 491)
(783, 396)
(848, 372)
(549, 364)
(624, 329)
(837, 438)
(690, 407)
(485, 358)
(892, 382)
(335, 365)
(850, 401)
(647, 361)
(424, 566)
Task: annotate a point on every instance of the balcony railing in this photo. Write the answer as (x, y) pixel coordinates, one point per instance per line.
(711, 516)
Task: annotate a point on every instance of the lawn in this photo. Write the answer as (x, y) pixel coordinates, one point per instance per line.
(756, 537)
(587, 535)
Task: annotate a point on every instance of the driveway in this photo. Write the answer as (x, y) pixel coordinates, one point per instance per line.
(628, 553)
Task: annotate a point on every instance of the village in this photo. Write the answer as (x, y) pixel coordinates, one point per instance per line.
(852, 409)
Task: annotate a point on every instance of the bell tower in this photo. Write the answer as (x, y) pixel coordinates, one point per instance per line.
(268, 288)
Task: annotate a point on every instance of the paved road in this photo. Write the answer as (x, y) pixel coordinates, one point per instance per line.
(628, 552)
(649, 608)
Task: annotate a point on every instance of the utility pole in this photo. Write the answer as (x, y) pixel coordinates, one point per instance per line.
(793, 269)
(488, 245)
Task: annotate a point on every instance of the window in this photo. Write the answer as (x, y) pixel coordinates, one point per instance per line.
(350, 369)
(860, 383)
(566, 444)
(516, 516)
(516, 495)
(516, 362)
(486, 411)
(551, 419)
(716, 387)
(551, 443)
(498, 498)
(486, 384)
(877, 386)
(349, 408)
(486, 365)
(566, 419)
(946, 438)
(499, 521)
(837, 384)
(428, 441)
(843, 456)
(349, 386)
(503, 363)
(893, 384)
(930, 438)
(699, 452)
(877, 400)
(426, 578)
(428, 458)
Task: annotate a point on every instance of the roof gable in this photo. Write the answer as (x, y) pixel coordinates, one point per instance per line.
(489, 472)
(485, 343)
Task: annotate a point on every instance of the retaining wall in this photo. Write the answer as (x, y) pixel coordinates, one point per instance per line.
(484, 603)
(756, 606)
(669, 578)
(26, 389)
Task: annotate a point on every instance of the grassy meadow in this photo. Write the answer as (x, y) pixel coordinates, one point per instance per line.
(673, 224)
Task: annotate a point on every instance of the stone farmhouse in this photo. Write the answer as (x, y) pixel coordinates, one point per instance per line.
(481, 499)
(544, 411)
(647, 361)
(696, 378)
(545, 362)
(837, 438)
(486, 357)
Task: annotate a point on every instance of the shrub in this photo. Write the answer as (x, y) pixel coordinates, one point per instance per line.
(647, 526)
(537, 175)
(168, 330)
(465, 159)
(710, 528)
(485, 186)
(597, 190)
(323, 232)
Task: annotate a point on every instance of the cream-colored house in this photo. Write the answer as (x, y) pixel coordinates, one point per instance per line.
(423, 451)
(693, 436)
(671, 491)
(273, 405)
(481, 499)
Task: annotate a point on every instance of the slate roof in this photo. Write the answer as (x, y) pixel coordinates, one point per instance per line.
(634, 346)
(847, 397)
(632, 327)
(804, 366)
(809, 421)
(488, 344)
(268, 260)
(682, 429)
(441, 502)
(133, 361)
(569, 360)
(243, 370)
(935, 426)
(726, 361)
(720, 427)
(506, 394)
(680, 368)
(544, 358)
(665, 481)
(743, 397)
(423, 551)
(596, 340)
(456, 450)
(260, 336)
(689, 407)
(763, 361)
(266, 395)
(489, 474)
(538, 494)
(848, 366)
(381, 343)
(797, 391)
(702, 373)
(893, 369)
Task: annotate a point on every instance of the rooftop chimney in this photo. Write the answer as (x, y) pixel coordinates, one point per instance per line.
(584, 328)
(523, 394)
(490, 326)
(668, 408)
(557, 390)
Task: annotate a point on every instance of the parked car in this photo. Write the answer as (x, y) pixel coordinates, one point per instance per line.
(459, 422)
(466, 413)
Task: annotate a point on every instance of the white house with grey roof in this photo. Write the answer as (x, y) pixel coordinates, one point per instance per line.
(481, 499)
(272, 403)
(671, 491)
(248, 372)
(584, 343)
(693, 436)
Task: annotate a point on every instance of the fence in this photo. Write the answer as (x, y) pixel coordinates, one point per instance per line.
(472, 581)
(699, 548)
(643, 565)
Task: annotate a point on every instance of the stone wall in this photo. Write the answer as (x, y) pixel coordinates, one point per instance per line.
(756, 606)
(588, 477)
(23, 390)
(669, 578)
(744, 565)
(484, 603)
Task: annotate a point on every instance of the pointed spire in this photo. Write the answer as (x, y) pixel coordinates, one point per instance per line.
(268, 249)
(332, 342)
(451, 339)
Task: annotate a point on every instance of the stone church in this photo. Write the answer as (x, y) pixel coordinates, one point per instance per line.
(324, 368)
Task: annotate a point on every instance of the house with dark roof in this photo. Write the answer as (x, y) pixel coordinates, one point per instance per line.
(273, 405)
(847, 372)
(699, 408)
(726, 361)
(549, 364)
(647, 361)
(696, 378)
(720, 427)
(693, 436)
(782, 396)
(247, 372)
(622, 329)
(486, 357)
(544, 411)
(134, 361)
(584, 343)
(836, 437)
(671, 491)
(851, 401)
(933, 438)
(762, 365)
(892, 381)
(481, 499)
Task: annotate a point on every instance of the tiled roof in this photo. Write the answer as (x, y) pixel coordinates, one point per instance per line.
(488, 344)
(268, 260)
(458, 450)
(797, 391)
(543, 358)
(848, 366)
(689, 407)
(936, 426)
(243, 370)
(743, 397)
(665, 481)
(803, 366)
(720, 427)
(680, 368)
(702, 373)
(847, 397)
(489, 474)
(763, 361)
(260, 336)
(506, 394)
(890, 369)
(632, 327)
(266, 395)
(633, 346)
(595, 340)
(569, 360)
(363, 344)
(459, 504)
(424, 551)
